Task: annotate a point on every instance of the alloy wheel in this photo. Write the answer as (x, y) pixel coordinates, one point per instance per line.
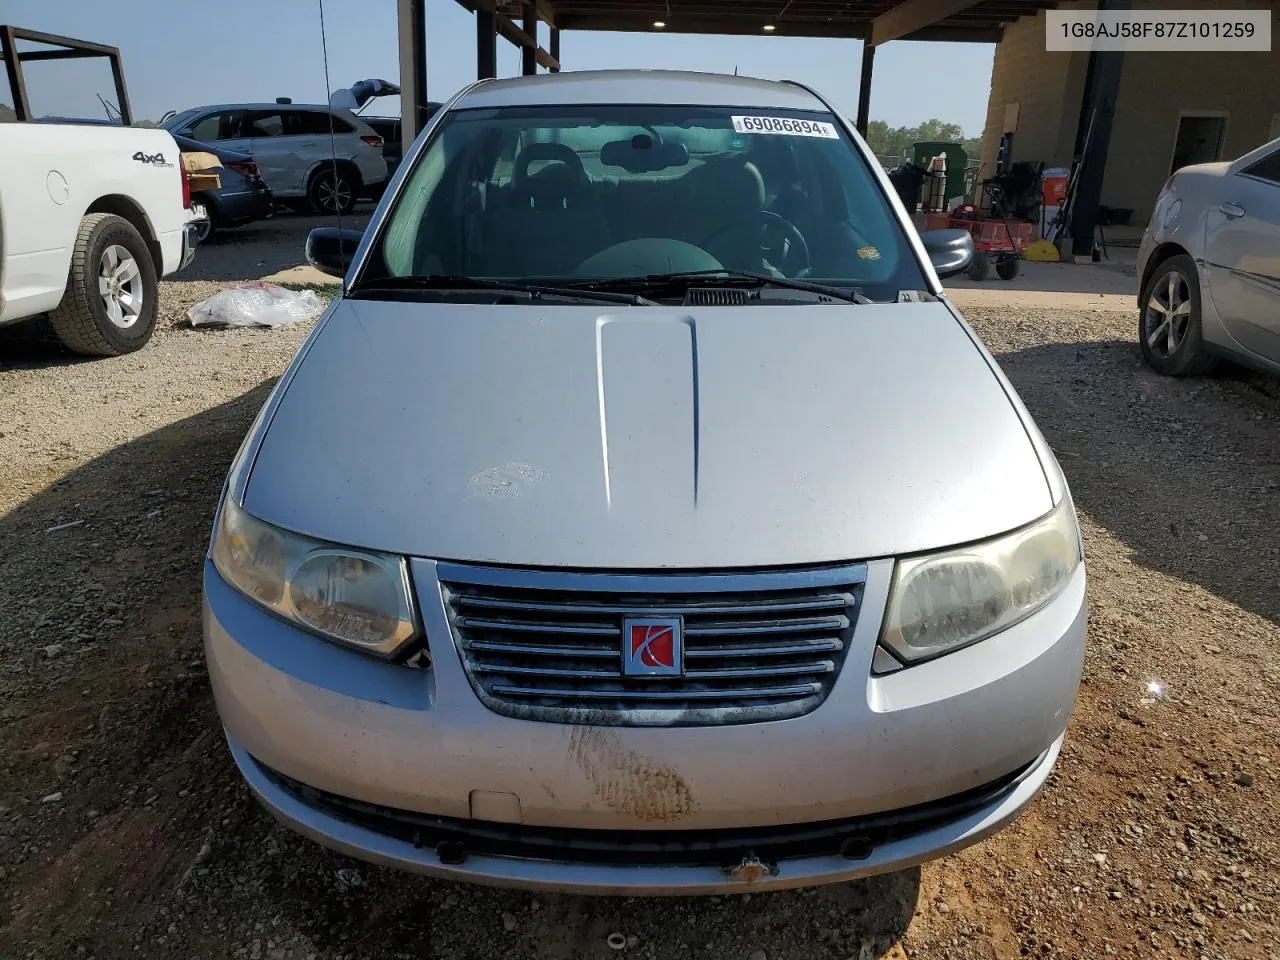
(120, 286)
(334, 193)
(1167, 314)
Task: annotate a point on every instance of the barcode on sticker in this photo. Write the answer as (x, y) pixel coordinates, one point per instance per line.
(785, 126)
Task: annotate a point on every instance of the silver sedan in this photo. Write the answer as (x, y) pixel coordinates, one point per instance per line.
(643, 518)
(1209, 264)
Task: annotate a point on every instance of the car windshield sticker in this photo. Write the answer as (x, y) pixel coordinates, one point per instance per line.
(785, 126)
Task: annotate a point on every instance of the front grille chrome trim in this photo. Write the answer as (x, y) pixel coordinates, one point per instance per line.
(572, 580)
(546, 645)
(801, 690)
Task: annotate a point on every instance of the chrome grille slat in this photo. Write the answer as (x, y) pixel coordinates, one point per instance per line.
(733, 629)
(821, 603)
(558, 628)
(752, 673)
(758, 646)
(490, 646)
(798, 690)
(775, 650)
(523, 671)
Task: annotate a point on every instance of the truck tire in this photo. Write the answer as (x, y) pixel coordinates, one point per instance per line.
(109, 306)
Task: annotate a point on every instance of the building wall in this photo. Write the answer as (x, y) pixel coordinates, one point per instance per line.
(1023, 73)
(1155, 88)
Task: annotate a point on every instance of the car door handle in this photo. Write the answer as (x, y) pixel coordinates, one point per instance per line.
(1231, 210)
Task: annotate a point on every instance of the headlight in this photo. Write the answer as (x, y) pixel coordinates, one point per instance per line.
(944, 601)
(355, 597)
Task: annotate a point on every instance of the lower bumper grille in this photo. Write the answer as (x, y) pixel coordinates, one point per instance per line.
(454, 839)
(754, 646)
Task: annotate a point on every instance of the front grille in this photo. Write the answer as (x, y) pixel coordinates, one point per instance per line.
(548, 646)
(854, 838)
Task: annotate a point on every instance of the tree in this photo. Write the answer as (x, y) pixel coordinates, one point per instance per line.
(893, 144)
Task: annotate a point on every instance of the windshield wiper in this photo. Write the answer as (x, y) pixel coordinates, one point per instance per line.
(525, 291)
(683, 280)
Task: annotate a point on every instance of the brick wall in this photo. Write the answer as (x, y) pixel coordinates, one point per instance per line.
(1037, 81)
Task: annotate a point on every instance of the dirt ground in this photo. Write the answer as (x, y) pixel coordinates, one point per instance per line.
(125, 831)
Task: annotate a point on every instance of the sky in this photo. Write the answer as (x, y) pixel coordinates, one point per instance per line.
(256, 50)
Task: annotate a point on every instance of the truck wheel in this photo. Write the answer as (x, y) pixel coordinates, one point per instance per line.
(332, 191)
(109, 306)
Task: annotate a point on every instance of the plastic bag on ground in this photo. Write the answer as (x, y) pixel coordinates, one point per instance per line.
(256, 305)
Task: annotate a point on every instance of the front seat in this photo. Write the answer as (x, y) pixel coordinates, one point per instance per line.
(725, 197)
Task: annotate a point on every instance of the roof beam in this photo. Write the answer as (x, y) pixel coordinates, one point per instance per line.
(722, 25)
(960, 33)
(626, 22)
(913, 15)
(511, 31)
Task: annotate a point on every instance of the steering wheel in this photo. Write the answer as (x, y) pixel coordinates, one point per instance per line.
(781, 242)
(549, 153)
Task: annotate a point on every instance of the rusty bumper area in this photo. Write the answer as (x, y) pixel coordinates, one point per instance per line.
(648, 861)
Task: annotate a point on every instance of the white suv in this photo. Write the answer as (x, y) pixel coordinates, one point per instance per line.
(291, 145)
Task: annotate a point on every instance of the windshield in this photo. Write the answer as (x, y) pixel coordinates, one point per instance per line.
(574, 195)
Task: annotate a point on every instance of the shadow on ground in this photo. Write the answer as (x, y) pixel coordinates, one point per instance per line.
(1186, 472)
(263, 247)
(153, 848)
(32, 345)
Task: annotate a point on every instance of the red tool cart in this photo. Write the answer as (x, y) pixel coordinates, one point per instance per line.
(997, 241)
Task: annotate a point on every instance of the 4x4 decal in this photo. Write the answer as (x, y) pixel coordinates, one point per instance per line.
(153, 158)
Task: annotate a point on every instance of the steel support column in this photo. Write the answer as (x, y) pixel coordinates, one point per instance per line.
(529, 54)
(486, 44)
(412, 26)
(9, 48)
(864, 87)
(1093, 139)
(555, 48)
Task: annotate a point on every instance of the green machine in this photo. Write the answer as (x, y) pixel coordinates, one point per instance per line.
(957, 160)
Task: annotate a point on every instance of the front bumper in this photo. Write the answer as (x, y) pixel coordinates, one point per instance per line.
(730, 868)
(420, 741)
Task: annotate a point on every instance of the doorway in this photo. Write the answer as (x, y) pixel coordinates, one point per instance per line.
(1199, 139)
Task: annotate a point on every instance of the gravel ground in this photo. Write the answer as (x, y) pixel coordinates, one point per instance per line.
(125, 832)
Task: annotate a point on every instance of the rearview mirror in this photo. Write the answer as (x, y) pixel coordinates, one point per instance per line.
(950, 251)
(331, 250)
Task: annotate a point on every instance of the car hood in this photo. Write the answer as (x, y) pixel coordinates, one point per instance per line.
(645, 437)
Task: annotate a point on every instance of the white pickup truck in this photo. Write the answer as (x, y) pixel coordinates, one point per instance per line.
(91, 216)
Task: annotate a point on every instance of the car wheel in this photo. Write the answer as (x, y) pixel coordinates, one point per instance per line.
(1169, 324)
(109, 307)
(980, 266)
(332, 191)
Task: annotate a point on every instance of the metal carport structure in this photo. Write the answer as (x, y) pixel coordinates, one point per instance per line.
(874, 22)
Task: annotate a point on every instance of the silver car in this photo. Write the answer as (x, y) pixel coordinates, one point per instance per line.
(1209, 264)
(292, 145)
(643, 518)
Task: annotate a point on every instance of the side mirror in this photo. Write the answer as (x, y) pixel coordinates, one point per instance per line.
(950, 251)
(331, 250)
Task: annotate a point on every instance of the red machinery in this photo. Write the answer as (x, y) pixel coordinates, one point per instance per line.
(998, 240)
